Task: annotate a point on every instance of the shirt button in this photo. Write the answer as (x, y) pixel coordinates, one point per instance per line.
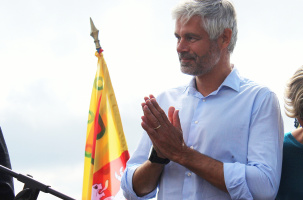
(192, 147)
(204, 100)
(188, 174)
(196, 122)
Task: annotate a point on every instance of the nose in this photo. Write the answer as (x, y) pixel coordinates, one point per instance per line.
(182, 46)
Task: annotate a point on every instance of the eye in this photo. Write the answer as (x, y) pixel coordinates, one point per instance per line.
(191, 39)
(178, 38)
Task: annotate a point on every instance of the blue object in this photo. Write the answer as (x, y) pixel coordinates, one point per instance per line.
(239, 124)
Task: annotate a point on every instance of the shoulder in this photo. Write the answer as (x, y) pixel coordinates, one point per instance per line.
(246, 86)
(262, 99)
(287, 135)
(252, 86)
(256, 91)
(288, 138)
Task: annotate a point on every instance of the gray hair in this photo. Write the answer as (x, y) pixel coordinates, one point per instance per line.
(217, 15)
(293, 96)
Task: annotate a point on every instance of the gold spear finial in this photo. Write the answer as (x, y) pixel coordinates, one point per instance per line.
(94, 33)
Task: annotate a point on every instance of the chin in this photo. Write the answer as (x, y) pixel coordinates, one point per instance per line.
(186, 70)
(193, 71)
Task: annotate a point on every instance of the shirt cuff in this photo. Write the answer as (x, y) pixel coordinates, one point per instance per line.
(235, 181)
(127, 185)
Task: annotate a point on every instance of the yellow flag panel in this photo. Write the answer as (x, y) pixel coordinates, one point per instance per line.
(106, 151)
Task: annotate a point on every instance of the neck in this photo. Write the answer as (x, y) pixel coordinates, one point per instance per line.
(209, 82)
(298, 134)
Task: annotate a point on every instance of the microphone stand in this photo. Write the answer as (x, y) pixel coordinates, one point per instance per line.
(32, 187)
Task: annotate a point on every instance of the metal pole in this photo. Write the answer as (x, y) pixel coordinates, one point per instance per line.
(34, 185)
(94, 33)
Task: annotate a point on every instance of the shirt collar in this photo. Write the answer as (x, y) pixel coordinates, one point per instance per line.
(191, 87)
(232, 81)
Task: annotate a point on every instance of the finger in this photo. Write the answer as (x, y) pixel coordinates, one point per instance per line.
(170, 114)
(176, 119)
(151, 96)
(142, 105)
(145, 120)
(153, 136)
(146, 98)
(150, 117)
(149, 130)
(157, 111)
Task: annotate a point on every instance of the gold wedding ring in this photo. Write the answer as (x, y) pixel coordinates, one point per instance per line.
(157, 127)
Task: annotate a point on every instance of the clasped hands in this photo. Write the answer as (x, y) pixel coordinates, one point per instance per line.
(164, 131)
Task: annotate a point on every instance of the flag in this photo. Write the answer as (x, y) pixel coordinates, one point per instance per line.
(106, 151)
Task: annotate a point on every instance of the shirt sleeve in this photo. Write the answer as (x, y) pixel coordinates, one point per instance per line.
(139, 157)
(259, 178)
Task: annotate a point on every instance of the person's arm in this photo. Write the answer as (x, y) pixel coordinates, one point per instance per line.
(260, 177)
(146, 177)
(204, 166)
(257, 179)
(138, 158)
(168, 141)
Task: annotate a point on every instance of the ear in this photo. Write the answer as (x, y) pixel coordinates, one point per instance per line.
(225, 38)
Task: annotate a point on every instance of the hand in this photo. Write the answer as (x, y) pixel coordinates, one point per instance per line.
(164, 132)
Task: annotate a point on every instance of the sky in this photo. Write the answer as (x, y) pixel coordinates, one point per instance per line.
(47, 68)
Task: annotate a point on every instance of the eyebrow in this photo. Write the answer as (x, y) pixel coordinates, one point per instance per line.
(192, 35)
(189, 35)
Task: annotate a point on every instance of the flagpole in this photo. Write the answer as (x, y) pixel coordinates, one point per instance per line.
(106, 151)
(94, 33)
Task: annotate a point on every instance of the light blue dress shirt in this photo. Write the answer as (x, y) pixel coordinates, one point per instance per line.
(239, 124)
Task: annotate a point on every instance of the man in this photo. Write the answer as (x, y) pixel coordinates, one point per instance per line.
(222, 135)
(6, 181)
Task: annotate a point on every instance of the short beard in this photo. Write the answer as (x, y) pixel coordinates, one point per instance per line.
(203, 64)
